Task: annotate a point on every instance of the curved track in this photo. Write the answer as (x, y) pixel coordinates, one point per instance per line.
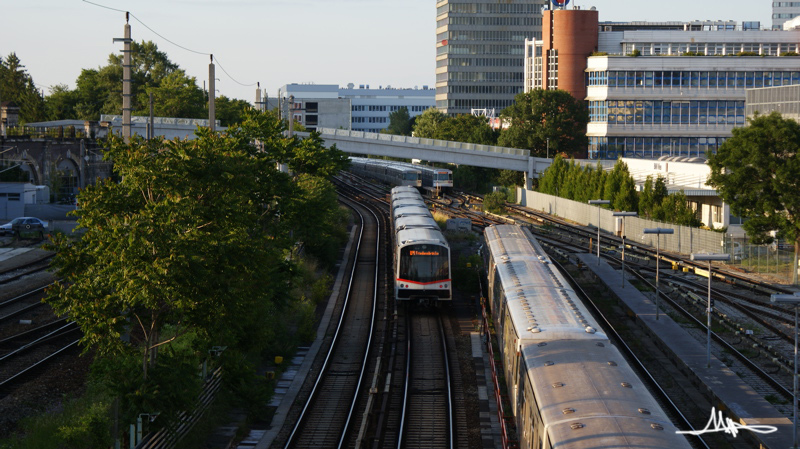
(326, 416)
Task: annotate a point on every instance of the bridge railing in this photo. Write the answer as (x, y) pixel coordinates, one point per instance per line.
(423, 141)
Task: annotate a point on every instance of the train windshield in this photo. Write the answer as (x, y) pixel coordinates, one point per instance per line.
(424, 263)
(444, 176)
(413, 176)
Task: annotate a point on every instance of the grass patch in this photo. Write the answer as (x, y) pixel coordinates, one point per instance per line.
(83, 422)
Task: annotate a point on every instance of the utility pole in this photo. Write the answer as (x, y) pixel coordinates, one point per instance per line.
(211, 94)
(126, 80)
(151, 131)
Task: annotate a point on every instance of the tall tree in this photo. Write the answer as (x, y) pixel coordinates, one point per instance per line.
(189, 249)
(757, 172)
(467, 128)
(400, 122)
(427, 123)
(17, 86)
(229, 111)
(539, 115)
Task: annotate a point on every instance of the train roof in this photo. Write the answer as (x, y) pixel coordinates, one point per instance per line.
(434, 169)
(406, 196)
(415, 221)
(403, 189)
(542, 305)
(420, 235)
(406, 211)
(598, 395)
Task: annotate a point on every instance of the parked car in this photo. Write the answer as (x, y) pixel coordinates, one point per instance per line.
(24, 225)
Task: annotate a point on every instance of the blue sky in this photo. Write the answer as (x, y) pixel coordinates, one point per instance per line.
(276, 42)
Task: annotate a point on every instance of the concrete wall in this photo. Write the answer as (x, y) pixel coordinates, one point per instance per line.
(685, 240)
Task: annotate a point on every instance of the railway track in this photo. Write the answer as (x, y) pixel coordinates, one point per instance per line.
(328, 414)
(428, 410)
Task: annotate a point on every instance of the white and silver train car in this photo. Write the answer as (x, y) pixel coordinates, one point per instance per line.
(390, 172)
(438, 179)
(421, 253)
(569, 387)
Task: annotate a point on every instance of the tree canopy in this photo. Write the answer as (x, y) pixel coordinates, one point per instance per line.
(400, 122)
(17, 86)
(539, 115)
(191, 249)
(757, 172)
(571, 180)
(99, 91)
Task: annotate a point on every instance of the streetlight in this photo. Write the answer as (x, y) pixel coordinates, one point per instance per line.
(624, 214)
(658, 232)
(794, 300)
(598, 202)
(709, 258)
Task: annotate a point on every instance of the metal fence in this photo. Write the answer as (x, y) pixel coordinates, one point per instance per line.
(776, 259)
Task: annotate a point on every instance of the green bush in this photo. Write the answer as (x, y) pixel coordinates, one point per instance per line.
(89, 430)
(494, 202)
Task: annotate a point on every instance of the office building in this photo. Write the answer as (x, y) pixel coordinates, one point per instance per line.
(783, 12)
(479, 52)
(670, 89)
(358, 109)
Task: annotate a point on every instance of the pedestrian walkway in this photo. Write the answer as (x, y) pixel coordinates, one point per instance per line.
(725, 389)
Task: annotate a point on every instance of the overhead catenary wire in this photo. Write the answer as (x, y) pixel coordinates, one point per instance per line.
(174, 43)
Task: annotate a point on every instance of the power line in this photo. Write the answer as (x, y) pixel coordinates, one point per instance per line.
(173, 43)
(229, 75)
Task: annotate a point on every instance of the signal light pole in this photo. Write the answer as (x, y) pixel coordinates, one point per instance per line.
(624, 214)
(709, 258)
(598, 203)
(658, 232)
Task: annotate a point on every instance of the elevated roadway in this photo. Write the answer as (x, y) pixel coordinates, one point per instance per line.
(364, 143)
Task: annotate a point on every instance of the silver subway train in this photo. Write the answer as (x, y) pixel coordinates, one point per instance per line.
(390, 172)
(403, 173)
(569, 387)
(421, 252)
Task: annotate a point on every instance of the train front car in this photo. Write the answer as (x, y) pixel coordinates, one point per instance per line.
(439, 180)
(422, 266)
(569, 387)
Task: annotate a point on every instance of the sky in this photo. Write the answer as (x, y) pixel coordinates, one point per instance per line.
(278, 42)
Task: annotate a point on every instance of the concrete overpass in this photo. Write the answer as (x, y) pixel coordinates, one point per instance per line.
(364, 143)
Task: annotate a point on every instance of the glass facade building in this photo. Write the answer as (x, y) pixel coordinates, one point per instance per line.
(676, 90)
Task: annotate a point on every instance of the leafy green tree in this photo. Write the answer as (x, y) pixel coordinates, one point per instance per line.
(757, 172)
(539, 115)
(228, 110)
(61, 102)
(400, 122)
(188, 251)
(177, 95)
(510, 178)
(17, 86)
(494, 202)
(675, 209)
(554, 176)
(652, 197)
(466, 128)
(427, 124)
